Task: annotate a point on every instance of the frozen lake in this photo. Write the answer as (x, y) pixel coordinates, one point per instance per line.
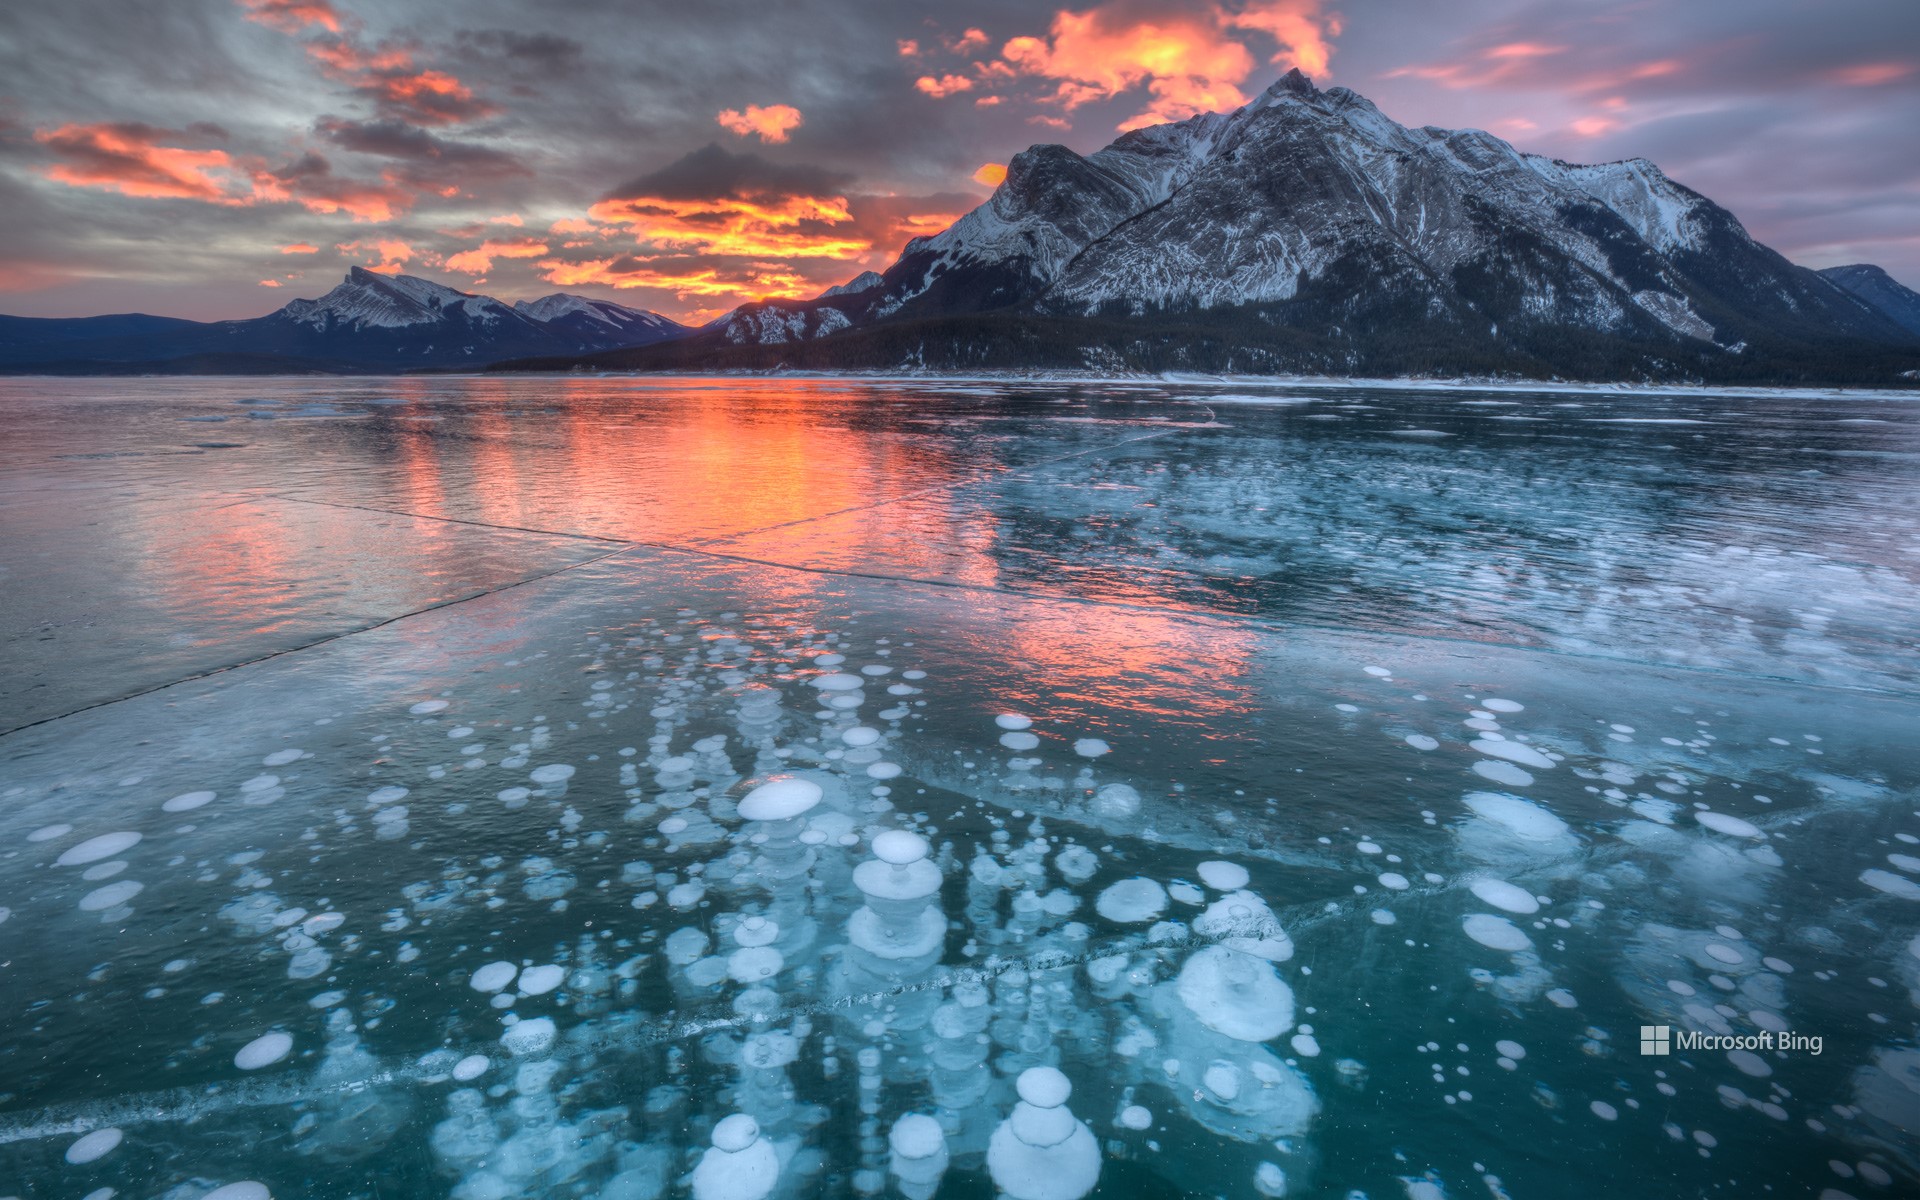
(492, 788)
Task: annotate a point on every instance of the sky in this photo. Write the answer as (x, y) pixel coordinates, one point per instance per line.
(215, 158)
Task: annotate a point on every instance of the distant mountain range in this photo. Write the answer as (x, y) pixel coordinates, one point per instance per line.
(370, 322)
(1307, 232)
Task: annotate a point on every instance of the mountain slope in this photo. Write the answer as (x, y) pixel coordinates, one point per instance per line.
(1335, 237)
(368, 322)
(1899, 302)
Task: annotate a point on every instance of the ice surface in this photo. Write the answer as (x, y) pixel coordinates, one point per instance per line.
(1255, 904)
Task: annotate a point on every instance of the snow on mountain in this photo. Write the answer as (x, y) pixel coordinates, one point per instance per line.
(585, 315)
(859, 283)
(1873, 285)
(369, 300)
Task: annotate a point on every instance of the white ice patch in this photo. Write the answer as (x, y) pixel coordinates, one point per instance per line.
(470, 1068)
(1514, 752)
(1891, 884)
(1420, 741)
(1502, 772)
(94, 849)
(493, 977)
(187, 802)
(538, 981)
(92, 1146)
(1132, 901)
(1223, 876)
(1505, 896)
(1728, 824)
(263, 1051)
(427, 706)
(1495, 933)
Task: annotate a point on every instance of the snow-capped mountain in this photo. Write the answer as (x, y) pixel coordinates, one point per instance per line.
(1881, 290)
(1310, 231)
(590, 318)
(370, 321)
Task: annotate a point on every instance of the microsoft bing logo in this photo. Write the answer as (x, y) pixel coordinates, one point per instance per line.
(1656, 1039)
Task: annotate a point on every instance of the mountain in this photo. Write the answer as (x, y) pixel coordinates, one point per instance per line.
(1310, 232)
(370, 322)
(1898, 301)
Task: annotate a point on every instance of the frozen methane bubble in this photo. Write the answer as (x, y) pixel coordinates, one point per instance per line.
(551, 774)
(1501, 772)
(1891, 884)
(493, 977)
(427, 706)
(187, 802)
(1091, 747)
(1495, 704)
(1136, 1117)
(1116, 802)
(1523, 819)
(524, 1039)
(1236, 994)
(244, 1190)
(472, 1067)
(899, 884)
(837, 683)
(740, 1165)
(1495, 933)
(1042, 1151)
(1132, 901)
(1517, 752)
(1728, 824)
(95, 1145)
(94, 849)
(538, 981)
(919, 1155)
(1505, 896)
(1013, 721)
(111, 896)
(1223, 876)
(780, 799)
(263, 1051)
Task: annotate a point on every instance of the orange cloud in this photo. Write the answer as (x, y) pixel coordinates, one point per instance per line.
(572, 225)
(966, 43)
(506, 219)
(1595, 126)
(987, 102)
(908, 48)
(128, 158)
(1524, 50)
(388, 254)
(1871, 74)
(945, 85)
(269, 283)
(1304, 33)
(990, 174)
(293, 16)
(1188, 62)
(757, 281)
(797, 226)
(299, 248)
(772, 123)
(479, 260)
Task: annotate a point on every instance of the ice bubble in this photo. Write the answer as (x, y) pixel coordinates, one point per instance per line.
(1517, 752)
(1510, 1049)
(1091, 747)
(1605, 1111)
(1223, 876)
(1186, 893)
(860, 735)
(740, 1165)
(1505, 896)
(1522, 818)
(112, 896)
(1076, 863)
(1116, 802)
(1305, 1045)
(427, 706)
(837, 683)
(780, 799)
(916, 1136)
(47, 833)
(1750, 1064)
(1379, 672)
(1236, 994)
(387, 795)
(245, 1190)
(1395, 881)
(472, 1067)
(493, 977)
(187, 802)
(538, 981)
(1420, 741)
(280, 758)
(1873, 877)
(1562, 998)
(1495, 933)
(1222, 1079)
(1132, 901)
(1133, 1116)
(263, 1051)
(883, 770)
(1270, 1180)
(1019, 741)
(1013, 721)
(1728, 824)
(1495, 704)
(529, 1037)
(551, 773)
(324, 922)
(676, 765)
(755, 964)
(97, 1144)
(1502, 772)
(96, 848)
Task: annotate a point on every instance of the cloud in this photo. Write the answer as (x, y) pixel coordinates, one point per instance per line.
(428, 161)
(715, 202)
(299, 248)
(683, 277)
(398, 87)
(968, 42)
(132, 158)
(479, 260)
(293, 16)
(1305, 34)
(506, 219)
(990, 174)
(940, 86)
(1871, 74)
(269, 283)
(310, 182)
(1187, 62)
(908, 48)
(385, 255)
(772, 123)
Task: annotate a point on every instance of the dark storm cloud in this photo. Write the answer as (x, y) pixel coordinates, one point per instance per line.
(399, 140)
(711, 173)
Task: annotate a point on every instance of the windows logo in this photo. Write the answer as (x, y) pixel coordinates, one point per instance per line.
(1656, 1039)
